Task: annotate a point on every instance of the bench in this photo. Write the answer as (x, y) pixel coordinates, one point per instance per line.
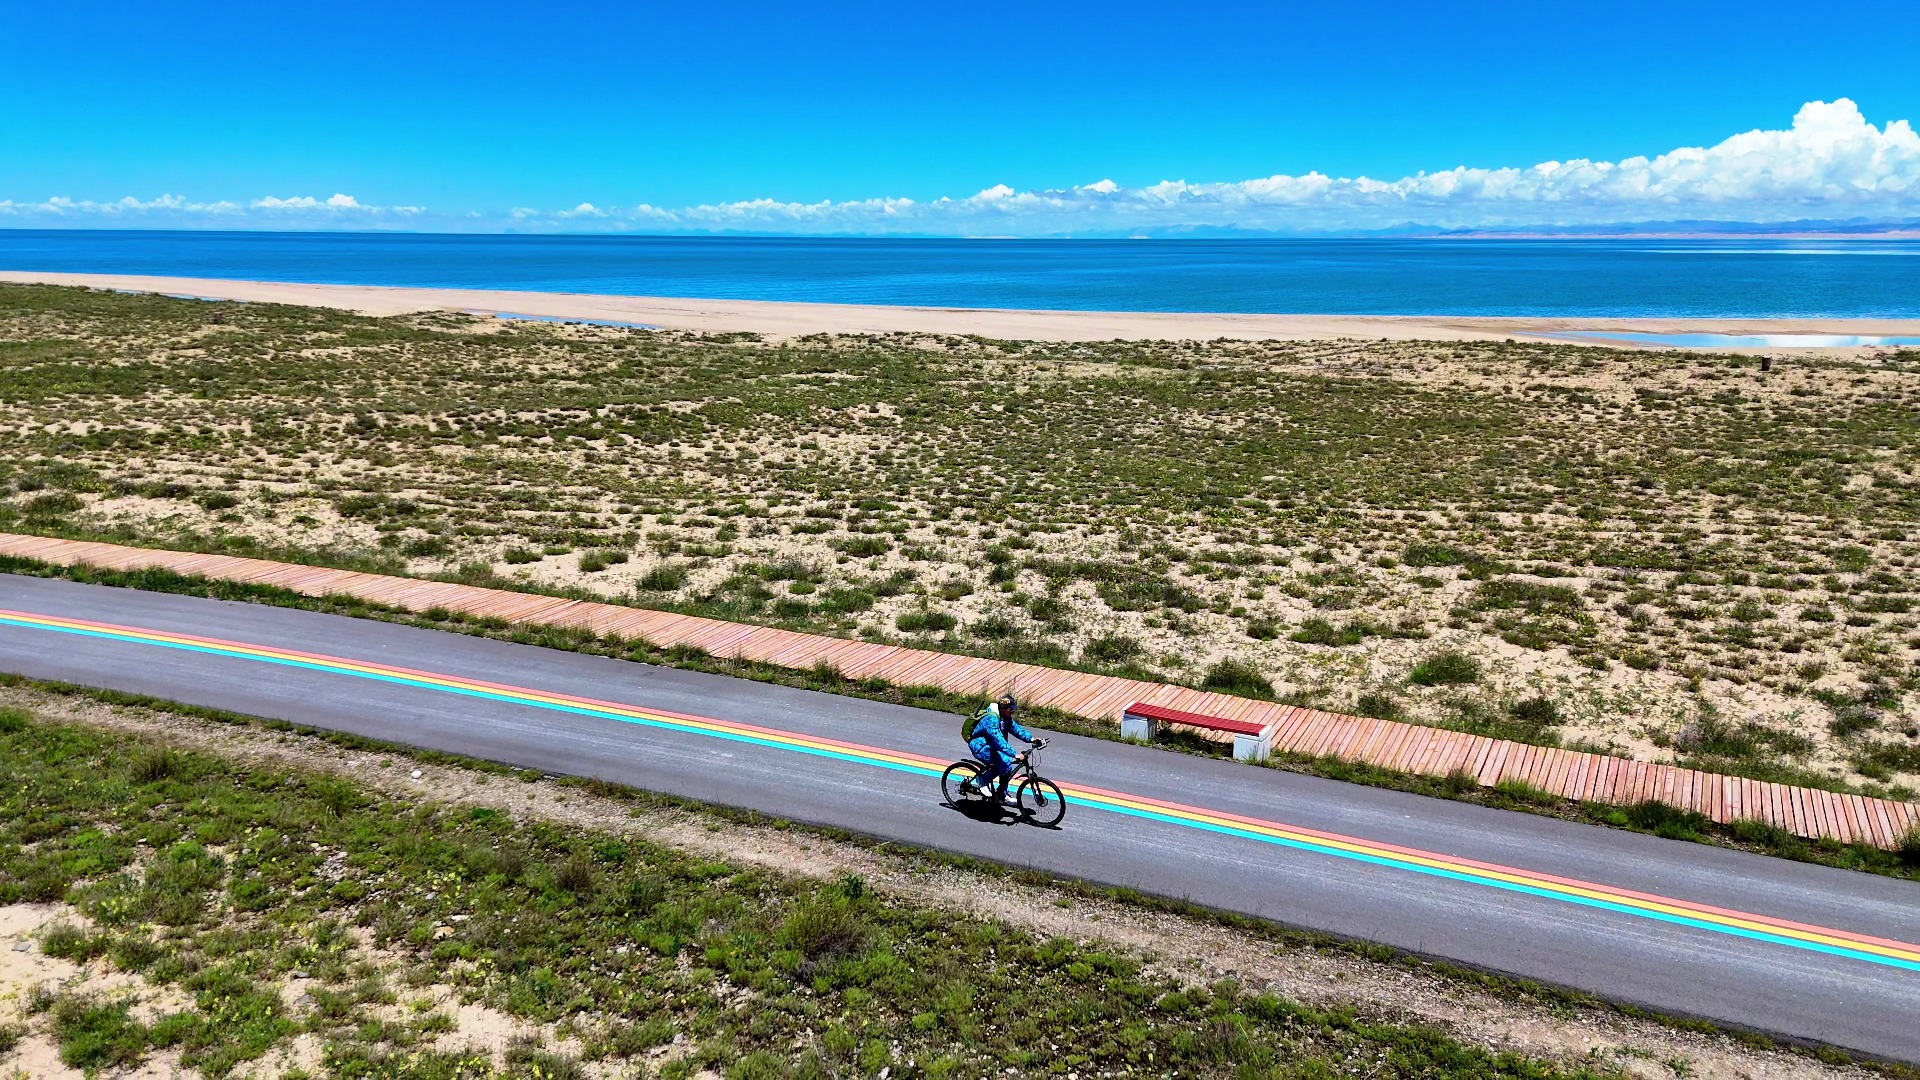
(1251, 741)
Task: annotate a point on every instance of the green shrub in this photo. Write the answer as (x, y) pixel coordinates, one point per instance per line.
(1449, 667)
(1111, 649)
(924, 622)
(826, 926)
(1851, 720)
(1317, 631)
(1909, 849)
(1379, 705)
(1669, 821)
(69, 942)
(425, 546)
(667, 577)
(95, 1035)
(52, 505)
(12, 721)
(519, 556)
(595, 561)
(863, 547)
(153, 765)
(575, 874)
(1537, 712)
(1237, 677)
(1518, 790)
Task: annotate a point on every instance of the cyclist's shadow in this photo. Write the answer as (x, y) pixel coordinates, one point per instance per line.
(994, 812)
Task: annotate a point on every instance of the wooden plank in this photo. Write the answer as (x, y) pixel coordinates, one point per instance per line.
(1832, 816)
(1807, 802)
(1293, 721)
(1659, 780)
(1382, 747)
(1088, 696)
(1815, 801)
(1482, 749)
(1580, 776)
(1516, 764)
(1452, 753)
(1430, 751)
(1413, 750)
(1354, 735)
(1560, 763)
(907, 666)
(1314, 732)
(1340, 730)
(1817, 811)
(1880, 823)
(1405, 748)
(1856, 809)
(1422, 763)
(1388, 745)
(1552, 759)
(1489, 773)
(1108, 702)
(1600, 788)
(1369, 743)
(1523, 763)
(1896, 822)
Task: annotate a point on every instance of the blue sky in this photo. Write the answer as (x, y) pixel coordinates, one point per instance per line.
(432, 116)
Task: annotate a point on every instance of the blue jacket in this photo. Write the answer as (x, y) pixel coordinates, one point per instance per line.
(995, 729)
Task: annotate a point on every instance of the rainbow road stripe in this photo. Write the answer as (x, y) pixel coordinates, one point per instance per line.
(1738, 924)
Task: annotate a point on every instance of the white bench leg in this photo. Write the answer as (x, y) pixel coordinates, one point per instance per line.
(1136, 727)
(1253, 747)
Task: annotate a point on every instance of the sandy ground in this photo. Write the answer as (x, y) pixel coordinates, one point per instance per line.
(778, 319)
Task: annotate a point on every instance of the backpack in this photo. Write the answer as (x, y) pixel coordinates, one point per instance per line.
(971, 722)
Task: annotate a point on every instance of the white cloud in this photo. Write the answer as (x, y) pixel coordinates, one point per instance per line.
(1831, 162)
(179, 211)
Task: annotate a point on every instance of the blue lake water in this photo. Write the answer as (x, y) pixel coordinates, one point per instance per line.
(1545, 278)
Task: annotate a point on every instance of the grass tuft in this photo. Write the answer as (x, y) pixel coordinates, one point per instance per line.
(1449, 667)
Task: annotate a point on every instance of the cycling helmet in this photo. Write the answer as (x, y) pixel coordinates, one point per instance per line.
(1007, 704)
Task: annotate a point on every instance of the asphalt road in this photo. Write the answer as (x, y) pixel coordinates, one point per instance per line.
(1803, 984)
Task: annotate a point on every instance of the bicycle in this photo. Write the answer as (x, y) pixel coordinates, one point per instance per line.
(1038, 798)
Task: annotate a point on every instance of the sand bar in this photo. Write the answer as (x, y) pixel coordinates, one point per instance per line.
(780, 319)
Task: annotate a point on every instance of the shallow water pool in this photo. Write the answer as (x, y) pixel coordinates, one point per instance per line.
(1747, 341)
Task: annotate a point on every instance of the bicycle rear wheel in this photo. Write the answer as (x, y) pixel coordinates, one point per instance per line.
(957, 774)
(1040, 799)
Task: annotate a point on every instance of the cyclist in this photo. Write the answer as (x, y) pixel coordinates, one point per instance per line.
(987, 737)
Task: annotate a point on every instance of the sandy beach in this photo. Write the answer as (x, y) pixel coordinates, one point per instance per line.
(782, 319)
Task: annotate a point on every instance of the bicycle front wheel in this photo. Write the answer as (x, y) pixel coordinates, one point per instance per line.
(1040, 799)
(957, 774)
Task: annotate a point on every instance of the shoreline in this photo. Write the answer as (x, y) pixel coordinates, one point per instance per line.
(786, 319)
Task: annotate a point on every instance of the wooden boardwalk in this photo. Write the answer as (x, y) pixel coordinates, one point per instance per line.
(1388, 744)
